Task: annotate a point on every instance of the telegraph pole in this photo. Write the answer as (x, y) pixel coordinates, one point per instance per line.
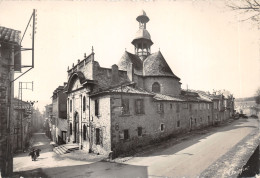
(22, 85)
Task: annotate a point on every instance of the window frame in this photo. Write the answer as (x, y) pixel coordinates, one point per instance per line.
(84, 104)
(139, 131)
(178, 123)
(156, 87)
(98, 142)
(70, 105)
(84, 132)
(160, 107)
(141, 110)
(71, 128)
(162, 127)
(97, 107)
(126, 136)
(125, 106)
(177, 107)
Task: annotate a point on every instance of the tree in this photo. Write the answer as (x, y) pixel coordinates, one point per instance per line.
(257, 97)
(250, 8)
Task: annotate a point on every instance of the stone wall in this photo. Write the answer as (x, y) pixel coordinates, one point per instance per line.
(168, 85)
(102, 122)
(156, 124)
(6, 108)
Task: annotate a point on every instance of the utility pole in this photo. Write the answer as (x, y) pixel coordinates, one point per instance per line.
(22, 85)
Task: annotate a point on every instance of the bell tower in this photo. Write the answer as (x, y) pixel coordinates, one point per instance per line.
(142, 40)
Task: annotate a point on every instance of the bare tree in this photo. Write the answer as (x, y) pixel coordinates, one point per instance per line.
(250, 8)
(257, 97)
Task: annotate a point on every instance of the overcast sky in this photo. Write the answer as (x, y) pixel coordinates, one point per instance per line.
(203, 42)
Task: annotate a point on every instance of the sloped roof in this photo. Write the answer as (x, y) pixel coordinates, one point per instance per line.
(129, 58)
(156, 65)
(193, 96)
(161, 97)
(142, 34)
(9, 35)
(124, 89)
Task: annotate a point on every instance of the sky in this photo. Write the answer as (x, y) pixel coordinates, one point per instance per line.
(204, 42)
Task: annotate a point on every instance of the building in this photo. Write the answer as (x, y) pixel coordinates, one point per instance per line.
(59, 115)
(37, 119)
(134, 103)
(22, 124)
(48, 122)
(247, 106)
(10, 61)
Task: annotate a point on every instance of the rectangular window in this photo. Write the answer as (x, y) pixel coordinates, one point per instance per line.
(97, 107)
(16, 130)
(139, 106)
(178, 123)
(190, 107)
(125, 105)
(171, 106)
(160, 108)
(177, 107)
(185, 105)
(208, 105)
(70, 105)
(162, 127)
(126, 134)
(140, 131)
(97, 136)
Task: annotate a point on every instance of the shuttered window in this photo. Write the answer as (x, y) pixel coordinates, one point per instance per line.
(140, 131)
(139, 106)
(84, 132)
(126, 134)
(84, 103)
(97, 107)
(160, 108)
(125, 105)
(97, 136)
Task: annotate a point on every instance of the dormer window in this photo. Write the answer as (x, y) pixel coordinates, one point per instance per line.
(156, 87)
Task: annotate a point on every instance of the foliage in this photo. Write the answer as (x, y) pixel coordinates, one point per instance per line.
(257, 97)
(250, 8)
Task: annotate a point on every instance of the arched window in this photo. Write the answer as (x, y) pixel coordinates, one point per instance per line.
(84, 103)
(84, 132)
(156, 87)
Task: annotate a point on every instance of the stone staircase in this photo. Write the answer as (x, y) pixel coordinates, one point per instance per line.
(66, 148)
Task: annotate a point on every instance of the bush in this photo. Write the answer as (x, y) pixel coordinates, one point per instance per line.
(254, 116)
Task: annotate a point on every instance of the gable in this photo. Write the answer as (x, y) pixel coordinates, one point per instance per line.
(76, 84)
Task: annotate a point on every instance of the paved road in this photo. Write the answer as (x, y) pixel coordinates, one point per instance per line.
(188, 158)
(191, 157)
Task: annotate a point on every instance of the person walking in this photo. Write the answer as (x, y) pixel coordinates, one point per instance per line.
(38, 152)
(33, 154)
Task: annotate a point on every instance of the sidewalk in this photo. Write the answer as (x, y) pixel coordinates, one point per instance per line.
(48, 161)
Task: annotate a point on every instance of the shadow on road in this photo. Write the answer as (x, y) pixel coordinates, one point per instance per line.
(97, 169)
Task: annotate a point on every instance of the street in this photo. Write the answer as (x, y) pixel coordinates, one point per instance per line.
(186, 159)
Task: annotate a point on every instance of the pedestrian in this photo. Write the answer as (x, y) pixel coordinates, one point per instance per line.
(32, 154)
(38, 152)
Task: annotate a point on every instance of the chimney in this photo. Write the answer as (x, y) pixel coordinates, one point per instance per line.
(115, 76)
(130, 72)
